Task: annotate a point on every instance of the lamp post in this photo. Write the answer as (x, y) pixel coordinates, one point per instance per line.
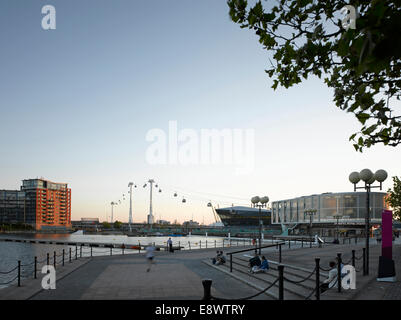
(310, 213)
(337, 217)
(150, 216)
(130, 185)
(260, 202)
(112, 207)
(369, 178)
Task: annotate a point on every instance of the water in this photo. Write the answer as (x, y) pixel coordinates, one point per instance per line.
(11, 252)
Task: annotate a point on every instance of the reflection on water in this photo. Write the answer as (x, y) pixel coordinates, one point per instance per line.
(11, 252)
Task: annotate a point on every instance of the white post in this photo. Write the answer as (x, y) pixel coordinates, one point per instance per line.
(150, 219)
(130, 206)
(112, 204)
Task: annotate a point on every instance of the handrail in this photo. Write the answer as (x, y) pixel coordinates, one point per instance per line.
(253, 249)
(289, 238)
(277, 244)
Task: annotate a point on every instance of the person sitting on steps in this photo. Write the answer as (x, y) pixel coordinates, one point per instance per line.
(255, 261)
(331, 281)
(221, 259)
(264, 266)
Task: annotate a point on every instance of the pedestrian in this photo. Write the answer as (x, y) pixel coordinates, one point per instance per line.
(331, 281)
(217, 257)
(220, 259)
(263, 267)
(170, 245)
(254, 262)
(150, 249)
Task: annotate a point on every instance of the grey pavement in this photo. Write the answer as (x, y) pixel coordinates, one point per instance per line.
(179, 275)
(175, 276)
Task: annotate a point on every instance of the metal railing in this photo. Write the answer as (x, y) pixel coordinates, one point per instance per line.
(279, 244)
(281, 279)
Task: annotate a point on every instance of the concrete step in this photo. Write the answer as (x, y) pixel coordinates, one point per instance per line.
(271, 294)
(291, 290)
(291, 273)
(298, 273)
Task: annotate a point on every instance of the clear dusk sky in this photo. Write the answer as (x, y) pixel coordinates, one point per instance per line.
(77, 103)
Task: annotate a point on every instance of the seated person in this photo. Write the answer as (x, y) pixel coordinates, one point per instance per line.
(214, 260)
(331, 281)
(220, 259)
(264, 266)
(255, 261)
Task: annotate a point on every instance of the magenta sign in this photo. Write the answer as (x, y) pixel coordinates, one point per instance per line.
(387, 234)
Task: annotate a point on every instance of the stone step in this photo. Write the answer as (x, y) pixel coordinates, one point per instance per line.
(271, 294)
(299, 291)
(292, 274)
(299, 273)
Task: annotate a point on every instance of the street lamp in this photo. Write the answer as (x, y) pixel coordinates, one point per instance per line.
(150, 216)
(130, 185)
(112, 207)
(337, 217)
(369, 178)
(310, 213)
(260, 202)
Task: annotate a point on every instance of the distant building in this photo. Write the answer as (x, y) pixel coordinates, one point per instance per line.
(90, 220)
(190, 223)
(347, 207)
(244, 216)
(165, 222)
(40, 203)
(217, 224)
(87, 224)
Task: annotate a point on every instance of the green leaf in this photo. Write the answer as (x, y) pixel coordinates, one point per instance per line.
(363, 117)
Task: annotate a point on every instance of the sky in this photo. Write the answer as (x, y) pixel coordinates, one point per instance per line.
(80, 103)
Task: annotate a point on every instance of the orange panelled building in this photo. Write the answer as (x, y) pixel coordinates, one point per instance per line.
(48, 203)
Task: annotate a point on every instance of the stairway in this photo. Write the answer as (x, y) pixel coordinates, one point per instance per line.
(292, 291)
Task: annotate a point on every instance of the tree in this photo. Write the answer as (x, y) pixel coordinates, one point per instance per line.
(106, 225)
(117, 224)
(362, 65)
(394, 198)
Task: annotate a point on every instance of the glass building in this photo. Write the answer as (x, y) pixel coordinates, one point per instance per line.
(40, 203)
(344, 207)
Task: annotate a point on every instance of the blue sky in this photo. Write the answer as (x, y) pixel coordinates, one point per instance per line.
(77, 102)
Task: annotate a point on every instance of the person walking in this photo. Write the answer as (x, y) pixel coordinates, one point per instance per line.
(170, 245)
(150, 249)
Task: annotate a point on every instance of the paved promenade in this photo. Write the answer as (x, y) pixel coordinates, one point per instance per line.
(178, 276)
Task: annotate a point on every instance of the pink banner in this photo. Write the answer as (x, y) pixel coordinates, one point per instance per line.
(387, 234)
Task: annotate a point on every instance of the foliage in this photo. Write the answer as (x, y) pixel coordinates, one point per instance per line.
(394, 199)
(117, 224)
(16, 227)
(106, 225)
(362, 65)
